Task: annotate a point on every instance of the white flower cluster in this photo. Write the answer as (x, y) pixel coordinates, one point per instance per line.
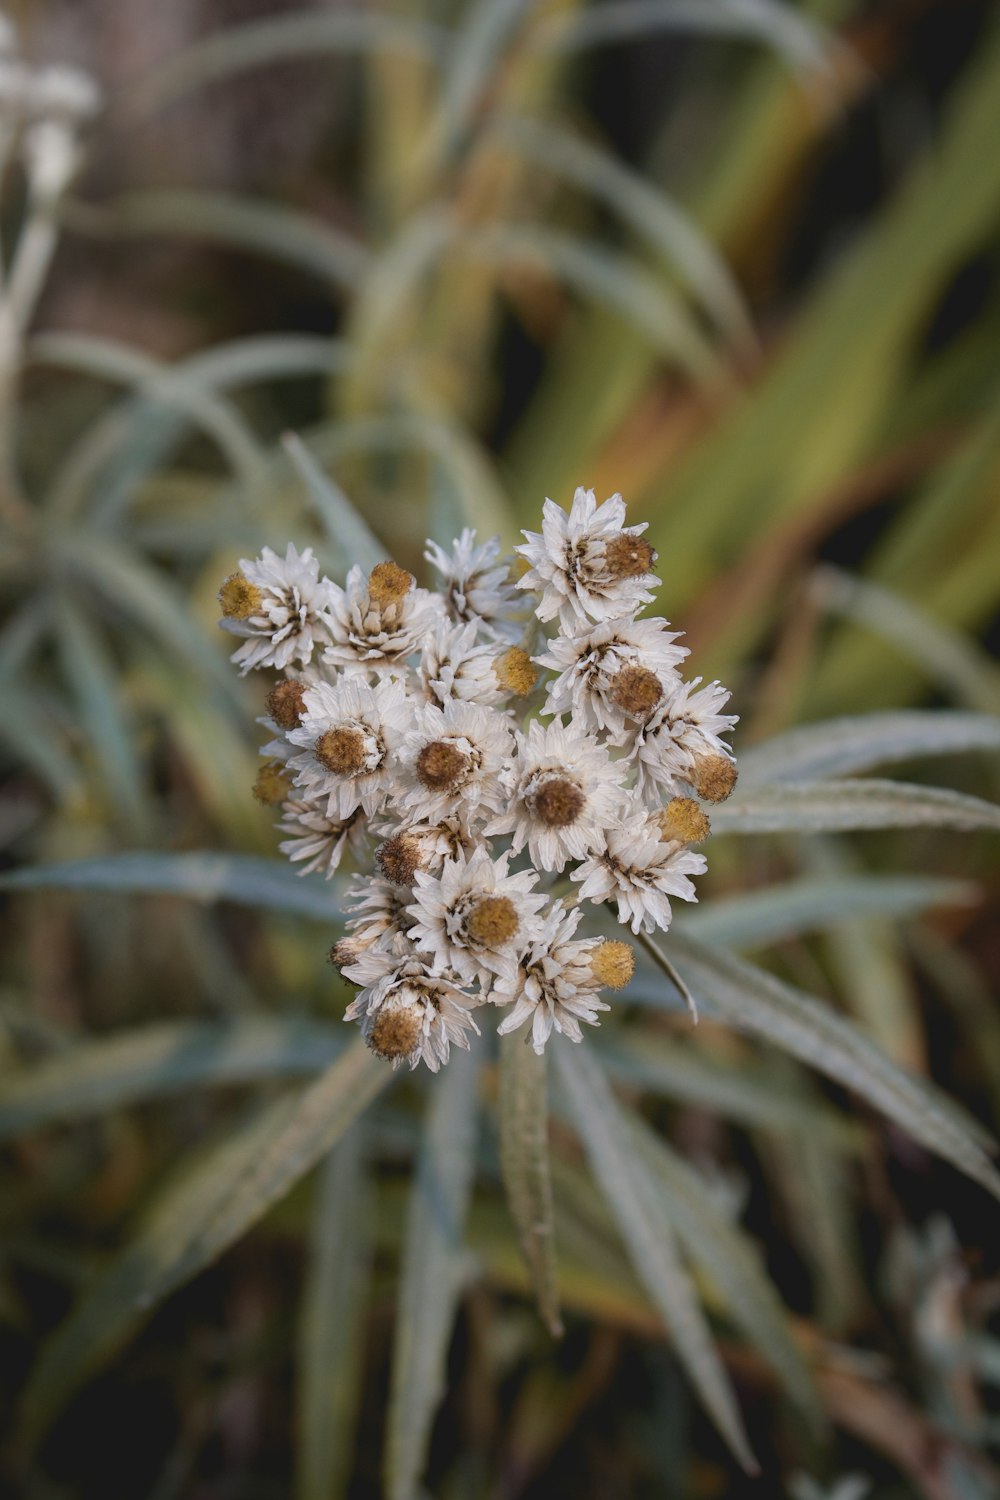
(410, 720)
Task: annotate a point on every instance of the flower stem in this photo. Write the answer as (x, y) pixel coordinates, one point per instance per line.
(662, 962)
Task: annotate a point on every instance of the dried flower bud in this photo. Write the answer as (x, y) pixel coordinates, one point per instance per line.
(273, 783)
(396, 1031)
(239, 597)
(613, 964)
(628, 556)
(515, 672)
(388, 583)
(682, 819)
(636, 691)
(714, 777)
(441, 766)
(341, 751)
(285, 703)
(399, 858)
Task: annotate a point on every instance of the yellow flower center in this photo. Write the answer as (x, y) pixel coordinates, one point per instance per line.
(636, 691)
(273, 783)
(388, 583)
(613, 964)
(341, 751)
(239, 597)
(682, 819)
(492, 921)
(714, 777)
(514, 671)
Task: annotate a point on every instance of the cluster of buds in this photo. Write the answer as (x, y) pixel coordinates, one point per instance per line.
(412, 730)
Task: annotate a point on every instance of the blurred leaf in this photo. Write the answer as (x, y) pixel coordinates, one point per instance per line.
(756, 1002)
(434, 1267)
(89, 1079)
(262, 228)
(243, 878)
(646, 210)
(839, 746)
(475, 55)
(524, 1157)
(829, 806)
(727, 1256)
(635, 1196)
(331, 1329)
(776, 24)
(307, 34)
(779, 912)
(343, 524)
(27, 730)
(209, 1205)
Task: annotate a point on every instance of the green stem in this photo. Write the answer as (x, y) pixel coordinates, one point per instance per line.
(662, 962)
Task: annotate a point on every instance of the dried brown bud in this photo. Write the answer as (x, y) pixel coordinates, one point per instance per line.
(613, 964)
(345, 952)
(682, 819)
(628, 556)
(399, 858)
(388, 583)
(239, 597)
(558, 802)
(341, 751)
(636, 691)
(492, 921)
(441, 766)
(285, 703)
(273, 783)
(714, 777)
(514, 671)
(396, 1032)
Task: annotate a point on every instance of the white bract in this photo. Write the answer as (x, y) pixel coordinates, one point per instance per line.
(484, 814)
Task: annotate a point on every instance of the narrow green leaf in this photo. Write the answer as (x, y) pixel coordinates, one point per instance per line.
(27, 730)
(636, 1199)
(761, 1005)
(331, 1330)
(476, 53)
(342, 522)
(208, 1206)
(434, 1269)
(726, 1255)
(779, 912)
(524, 1159)
(93, 1078)
(206, 877)
(840, 806)
(838, 747)
(260, 44)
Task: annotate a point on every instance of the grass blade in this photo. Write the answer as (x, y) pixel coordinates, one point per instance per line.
(838, 747)
(840, 806)
(636, 1200)
(331, 1350)
(524, 1159)
(434, 1268)
(343, 524)
(199, 1215)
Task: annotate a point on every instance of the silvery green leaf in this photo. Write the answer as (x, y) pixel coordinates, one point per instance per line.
(524, 1159)
(343, 524)
(331, 1327)
(754, 1001)
(726, 1255)
(93, 1078)
(635, 1197)
(838, 747)
(476, 53)
(435, 1265)
(242, 878)
(210, 1203)
(779, 912)
(842, 806)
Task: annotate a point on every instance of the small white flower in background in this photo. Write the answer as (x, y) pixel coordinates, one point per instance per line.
(484, 820)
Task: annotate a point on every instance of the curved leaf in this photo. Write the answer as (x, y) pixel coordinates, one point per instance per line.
(837, 747)
(524, 1159)
(840, 806)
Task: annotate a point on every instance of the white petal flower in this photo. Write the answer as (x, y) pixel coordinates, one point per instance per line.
(474, 917)
(377, 622)
(421, 846)
(555, 987)
(612, 674)
(478, 587)
(348, 735)
(280, 605)
(452, 762)
(563, 792)
(587, 565)
(454, 663)
(317, 841)
(640, 872)
(377, 921)
(680, 744)
(407, 1012)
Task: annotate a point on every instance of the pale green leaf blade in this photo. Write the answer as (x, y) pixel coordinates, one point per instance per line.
(755, 1002)
(93, 1078)
(722, 1250)
(842, 806)
(28, 731)
(198, 1216)
(205, 877)
(342, 522)
(331, 1328)
(776, 913)
(839, 747)
(485, 32)
(434, 1268)
(634, 1196)
(524, 1160)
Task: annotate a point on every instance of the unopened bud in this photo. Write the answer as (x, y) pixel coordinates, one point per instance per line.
(682, 819)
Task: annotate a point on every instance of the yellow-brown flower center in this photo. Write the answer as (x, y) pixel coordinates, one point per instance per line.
(441, 766)
(396, 1031)
(682, 819)
(285, 703)
(636, 691)
(273, 784)
(558, 802)
(613, 964)
(514, 671)
(714, 777)
(399, 858)
(341, 751)
(239, 597)
(492, 921)
(627, 556)
(388, 583)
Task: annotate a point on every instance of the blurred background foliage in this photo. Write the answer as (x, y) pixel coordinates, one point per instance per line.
(734, 259)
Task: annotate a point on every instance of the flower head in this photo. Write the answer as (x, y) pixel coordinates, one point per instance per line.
(556, 985)
(453, 760)
(681, 745)
(348, 734)
(472, 917)
(640, 872)
(587, 564)
(612, 674)
(408, 1013)
(376, 623)
(280, 605)
(477, 588)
